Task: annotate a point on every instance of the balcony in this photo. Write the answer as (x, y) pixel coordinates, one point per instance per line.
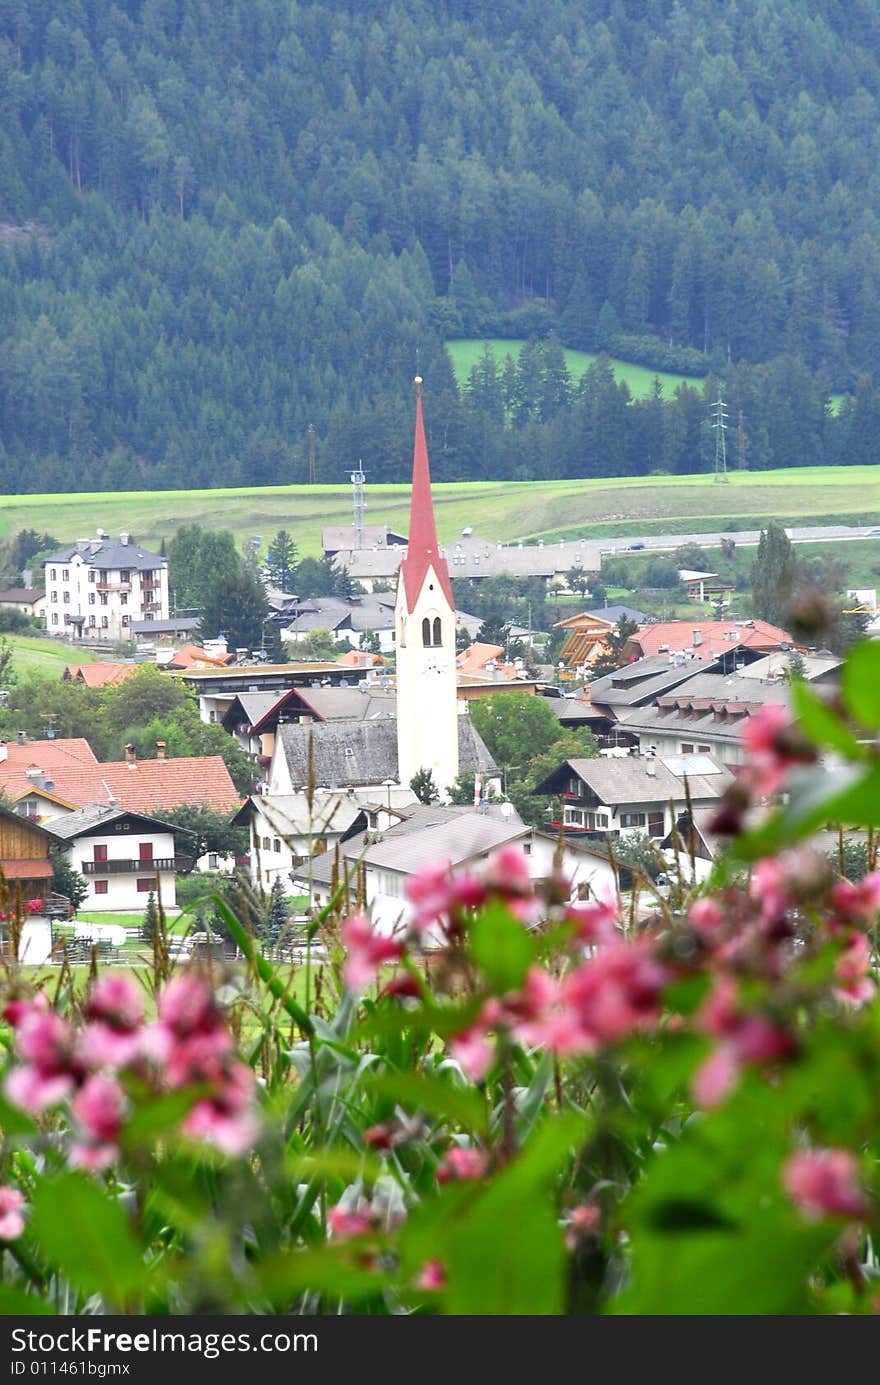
(113, 586)
(150, 867)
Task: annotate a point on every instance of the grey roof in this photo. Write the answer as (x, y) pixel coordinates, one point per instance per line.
(98, 815)
(257, 705)
(335, 613)
(436, 834)
(364, 702)
(470, 556)
(645, 679)
(337, 536)
(750, 693)
(180, 624)
(813, 666)
(633, 779)
(613, 613)
(570, 711)
(109, 553)
(364, 752)
(291, 815)
(14, 596)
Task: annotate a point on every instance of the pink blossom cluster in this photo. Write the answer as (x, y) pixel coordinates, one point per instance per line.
(189, 1045)
(773, 744)
(614, 993)
(12, 1206)
(824, 1183)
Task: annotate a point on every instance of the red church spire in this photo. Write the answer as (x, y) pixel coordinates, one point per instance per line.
(423, 551)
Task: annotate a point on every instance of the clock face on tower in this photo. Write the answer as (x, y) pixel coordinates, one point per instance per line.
(435, 663)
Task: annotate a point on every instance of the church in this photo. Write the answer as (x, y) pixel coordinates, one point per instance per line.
(430, 730)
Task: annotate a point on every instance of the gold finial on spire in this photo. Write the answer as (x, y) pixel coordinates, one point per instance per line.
(418, 384)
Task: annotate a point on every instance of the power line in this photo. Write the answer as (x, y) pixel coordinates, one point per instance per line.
(719, 423)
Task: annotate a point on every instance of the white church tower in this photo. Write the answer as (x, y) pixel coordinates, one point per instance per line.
(427, 697)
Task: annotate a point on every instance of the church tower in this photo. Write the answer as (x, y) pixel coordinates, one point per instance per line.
(427, 696)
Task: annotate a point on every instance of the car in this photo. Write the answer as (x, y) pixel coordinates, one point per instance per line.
(634, 546)
(872, 533)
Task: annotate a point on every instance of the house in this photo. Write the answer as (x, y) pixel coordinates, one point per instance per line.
(618, 613)
(124, 857)
(97, 587)
(346, 618)
(735, 641)
(471, 556)
(194, 656)
(68, 770)
(634, 794)
(216, 687)
(585, 639)
(146, 632)
(27, 871)
(703, 586)
(343, 538)
(39, 805)
(29, 601)
(480, 660)
(375, 867)
(362, 658)
(102, 674)
(286, 829)
(705, 715)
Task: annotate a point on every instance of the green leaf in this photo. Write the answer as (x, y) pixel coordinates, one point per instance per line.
(860, 683)
(501, 948)
(87, 1235)
(333, 1270)
(848, 796)
(159, 1116)
(434, 1095)
(16, 1303)
(820, 724)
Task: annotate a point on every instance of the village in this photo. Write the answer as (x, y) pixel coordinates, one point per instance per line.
(363, 768)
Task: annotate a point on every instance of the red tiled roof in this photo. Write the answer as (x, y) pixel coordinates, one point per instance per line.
(37, 869)
(191, 656)
(100, 674)
(146, 786)
(714, 636)
(46, 755)
(474, 659)
(356, 658)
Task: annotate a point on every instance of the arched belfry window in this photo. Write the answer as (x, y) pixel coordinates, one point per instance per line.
(431, 632)
(426, 632)
(438, 638)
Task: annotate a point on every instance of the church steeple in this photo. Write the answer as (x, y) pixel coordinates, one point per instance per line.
(427, 690)
(423, 551)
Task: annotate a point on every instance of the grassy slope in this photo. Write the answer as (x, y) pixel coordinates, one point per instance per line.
(465, 352)
(35, 655)
(498, 510)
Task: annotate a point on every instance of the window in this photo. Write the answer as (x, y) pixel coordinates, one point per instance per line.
(144, 886)
(266, 844)
(103, 596)
(54, 617)
(655, 825)
(426, 631)
(705, 749)
(53, 596)
(125, 620)
(687, 748)
(65, 575)
(92, 621)
(100, 852)
(124, 575)
(53, 574)
(213, 861)
(574, 787)
(123, 599)
(91, 598)
(431, 634)
(91, 574)
(632, 819)
(104, 622)
(438, 637)
(145, 851)
(102, 886)
(276, 845)
(66, 597)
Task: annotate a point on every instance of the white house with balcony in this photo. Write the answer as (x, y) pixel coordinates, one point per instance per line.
(123, 856)
(97, 588)
(647, 794)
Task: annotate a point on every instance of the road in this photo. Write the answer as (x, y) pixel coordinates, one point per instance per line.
(743, 538)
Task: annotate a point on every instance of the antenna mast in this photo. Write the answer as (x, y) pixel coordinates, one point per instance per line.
(719, 423)
(358, 481)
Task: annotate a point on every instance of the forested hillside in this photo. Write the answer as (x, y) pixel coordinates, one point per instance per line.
(222, 221)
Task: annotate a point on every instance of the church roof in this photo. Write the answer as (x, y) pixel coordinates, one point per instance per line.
(424, 551)
(364, 752)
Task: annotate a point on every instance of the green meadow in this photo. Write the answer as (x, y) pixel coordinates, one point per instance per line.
(35, 655)
(466, 352)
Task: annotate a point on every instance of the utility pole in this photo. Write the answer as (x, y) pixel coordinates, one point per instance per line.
(719, 423)
(741, 439)
(312, 475)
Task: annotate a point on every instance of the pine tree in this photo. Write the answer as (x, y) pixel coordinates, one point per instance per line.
(151, 919)
(773, 573)
(423, 786)
(281, 561)
(277, 916)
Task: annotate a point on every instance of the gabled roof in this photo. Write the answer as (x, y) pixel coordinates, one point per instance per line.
(291, 815)
(144, 786)
(98, 815)
(102, 674)
(47, 755)
(21, 596)
(477, 656)
(192, 656)
(109, 553)
(637, 779)
(364, 752)
(715, 637)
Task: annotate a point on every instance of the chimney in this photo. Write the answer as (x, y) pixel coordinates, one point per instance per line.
(21, 737)
(160, 750)
(130, 754)
(4, 751)
(698, 637)
(124, 538)
(651, 768)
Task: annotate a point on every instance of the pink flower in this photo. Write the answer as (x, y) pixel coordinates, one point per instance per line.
(706, 916)
(367, 950)
(852, 968)
(472, 1050)
(31, 1090)
(853, 903)
(226, 1119)
(716, 1076)
(616, 992)
(11, 1219)
(117, 1001)
(187, 1005)
(583, 1222)
(50, 1071)
(463, 1165)
(596, 923)
(772, 744)
(745, 1037)
(345, 1224)
(437, 895)
(507, 871)
(432, 1276)
(824, 1183)
(98, 1107)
